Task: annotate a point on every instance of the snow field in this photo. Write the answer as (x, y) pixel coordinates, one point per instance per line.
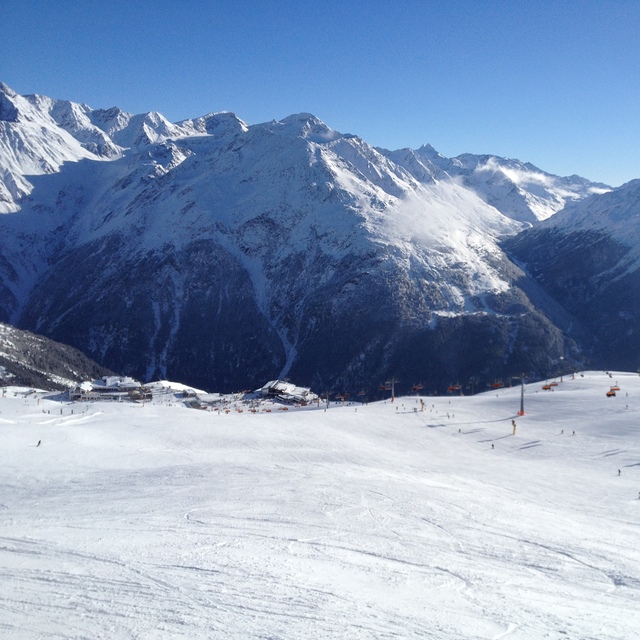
(158, 521)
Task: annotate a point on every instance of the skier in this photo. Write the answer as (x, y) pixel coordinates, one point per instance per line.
(618, 471)
(493, 446)
(513, 424)
(39, 443)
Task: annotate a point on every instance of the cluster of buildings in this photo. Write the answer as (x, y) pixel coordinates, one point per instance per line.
(123, 388)
(118, 388)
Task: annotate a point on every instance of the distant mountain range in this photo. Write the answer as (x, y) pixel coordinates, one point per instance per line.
(223, 254)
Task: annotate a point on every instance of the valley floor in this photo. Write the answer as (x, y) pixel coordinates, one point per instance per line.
(376, 521)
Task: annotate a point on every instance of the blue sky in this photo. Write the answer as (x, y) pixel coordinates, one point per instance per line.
(555, 83)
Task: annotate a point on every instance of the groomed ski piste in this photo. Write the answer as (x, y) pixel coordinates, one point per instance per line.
(363, 521)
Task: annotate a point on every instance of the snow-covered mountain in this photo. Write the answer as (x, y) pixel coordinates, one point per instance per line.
(38, 134)
(588, 256)
(31, 143)
(207, 249)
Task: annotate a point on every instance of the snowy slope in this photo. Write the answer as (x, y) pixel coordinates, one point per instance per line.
(158, 521)
(616, 213)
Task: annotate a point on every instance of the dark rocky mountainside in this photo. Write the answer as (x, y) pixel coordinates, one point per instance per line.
(34, 361)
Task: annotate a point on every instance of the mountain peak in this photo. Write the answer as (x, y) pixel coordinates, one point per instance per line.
(218, 124)
(303, 118)
(8, 110)
(429, 151)
(7, 90)
(305, 125)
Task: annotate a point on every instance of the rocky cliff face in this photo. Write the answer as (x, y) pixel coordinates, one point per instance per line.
(223, 254)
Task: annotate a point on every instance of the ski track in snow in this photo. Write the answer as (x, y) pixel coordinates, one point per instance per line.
(385, 522)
